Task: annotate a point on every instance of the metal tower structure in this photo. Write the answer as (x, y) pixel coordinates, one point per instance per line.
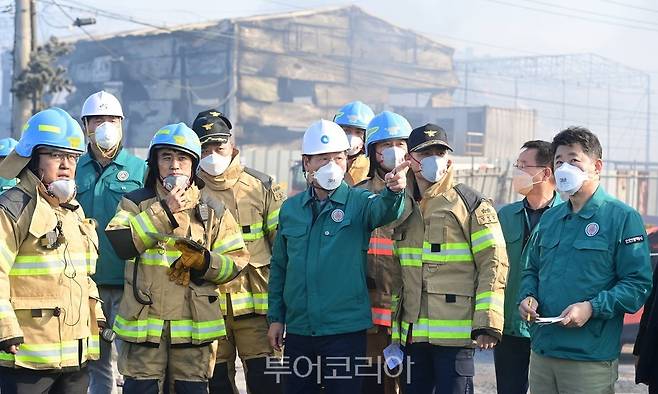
(593, 76)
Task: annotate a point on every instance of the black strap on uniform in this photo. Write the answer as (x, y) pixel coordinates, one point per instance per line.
(265, 179)
(472, 199)
(14, 201)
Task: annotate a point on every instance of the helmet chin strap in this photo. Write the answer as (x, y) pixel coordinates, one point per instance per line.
(106, 153)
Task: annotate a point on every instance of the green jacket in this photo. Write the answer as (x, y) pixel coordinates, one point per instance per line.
(99, 193)
(6, 184)
(513, 223)
(601, 255)
(317, 272)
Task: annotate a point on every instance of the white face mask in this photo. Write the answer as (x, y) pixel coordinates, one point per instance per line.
(329, 176)
(432, 168)
(108, 135)
(63, 190)
(215, 164)
(569, 179)
(356, 144)
(392, 157)
(182, 181)
(522, 182)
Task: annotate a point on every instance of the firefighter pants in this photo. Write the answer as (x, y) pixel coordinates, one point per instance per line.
(29, 381)
(247, 336)
(446, 370)
(145, 366)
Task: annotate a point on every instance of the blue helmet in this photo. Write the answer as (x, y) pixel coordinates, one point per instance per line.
(386, 126)
(355, 114)
(6, 146)
(177, 136)
(51, 127)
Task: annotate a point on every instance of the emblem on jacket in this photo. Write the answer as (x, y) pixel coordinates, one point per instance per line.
(122, 175)
(337, 215)
(592, 229)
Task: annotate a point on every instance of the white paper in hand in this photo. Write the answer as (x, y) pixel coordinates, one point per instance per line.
(548, 320)
(393, 355)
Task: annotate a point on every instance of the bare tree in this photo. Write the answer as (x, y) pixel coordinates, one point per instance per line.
(44, 77)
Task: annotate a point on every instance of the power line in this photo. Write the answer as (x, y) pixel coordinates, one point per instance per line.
(635, 7)
(117, 57)
(329, 63)
(579, 17)
(589, 12)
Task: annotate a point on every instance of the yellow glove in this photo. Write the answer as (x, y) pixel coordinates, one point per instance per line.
(191, 258)
(179, 273)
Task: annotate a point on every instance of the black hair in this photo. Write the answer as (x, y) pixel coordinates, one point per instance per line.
(544, 155)
(578, 135)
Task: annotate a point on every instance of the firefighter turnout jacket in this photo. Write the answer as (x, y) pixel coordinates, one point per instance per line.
(454, 268)
(48, 301)
(193, 311)
(254, 201)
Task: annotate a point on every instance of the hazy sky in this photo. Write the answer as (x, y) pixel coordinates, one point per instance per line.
(625, 31)
(489, 27)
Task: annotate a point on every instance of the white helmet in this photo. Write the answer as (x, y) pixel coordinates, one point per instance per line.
(101, 103)
(324, 137)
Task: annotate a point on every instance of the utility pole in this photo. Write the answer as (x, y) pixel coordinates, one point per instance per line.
(20, 109)
(33, 26)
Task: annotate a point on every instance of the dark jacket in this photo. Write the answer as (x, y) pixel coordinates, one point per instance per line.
(646, 344)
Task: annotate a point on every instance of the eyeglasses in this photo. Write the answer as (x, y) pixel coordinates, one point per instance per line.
(522, 166)
(61, 156)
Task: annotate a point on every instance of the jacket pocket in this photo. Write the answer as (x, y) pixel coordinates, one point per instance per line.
(513, 235)
(435, 230)
(591, 260)
(296, 239)
(121, 188)
(446, 299)
(464, 363)
(204, 306)
(258, 278)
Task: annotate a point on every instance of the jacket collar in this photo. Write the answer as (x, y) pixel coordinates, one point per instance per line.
(519, 205)
(120, 159)
(593, 204)
(338, 196)
(44, 218)
(441, 186)
(228, 178)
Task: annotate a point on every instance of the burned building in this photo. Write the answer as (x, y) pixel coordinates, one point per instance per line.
(273, 75)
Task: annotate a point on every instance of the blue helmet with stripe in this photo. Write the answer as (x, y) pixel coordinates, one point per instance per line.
(6, 146)
(355, 114)
(52, 127)
(386, 126)
(177, 136)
